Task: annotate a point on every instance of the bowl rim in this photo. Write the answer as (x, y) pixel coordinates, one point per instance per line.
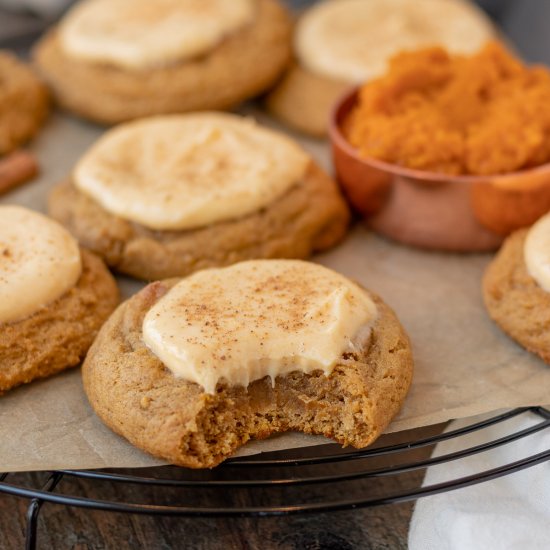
(337, 138)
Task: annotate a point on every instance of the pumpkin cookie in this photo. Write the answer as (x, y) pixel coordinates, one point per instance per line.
(23, 103)
(341, 44)
(189, 370)
(53, 297)
(116, 60)
(516, 288)
(166, 196)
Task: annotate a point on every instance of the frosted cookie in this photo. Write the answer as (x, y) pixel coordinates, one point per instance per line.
(116, 60)
(166, 196)
(189, 370)
(516, 288)
(23, 103)
(53, 297)
(339, 44)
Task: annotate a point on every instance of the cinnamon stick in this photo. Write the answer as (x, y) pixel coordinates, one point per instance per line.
(15, 169)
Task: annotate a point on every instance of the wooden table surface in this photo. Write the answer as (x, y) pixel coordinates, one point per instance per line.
(63, 528)
(383, 527)
(60, 527)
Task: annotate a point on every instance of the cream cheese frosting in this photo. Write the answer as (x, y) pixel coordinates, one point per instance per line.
(140, 34)
(537, 252)
(39, 262)
(352, 40)
(186, 171)
(258, 318)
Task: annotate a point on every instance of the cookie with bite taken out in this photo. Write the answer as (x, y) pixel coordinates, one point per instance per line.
(191, 369)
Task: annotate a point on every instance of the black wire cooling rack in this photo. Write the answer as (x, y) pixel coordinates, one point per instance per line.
(282, 477)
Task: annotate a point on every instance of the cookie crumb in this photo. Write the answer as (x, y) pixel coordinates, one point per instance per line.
(145, 402)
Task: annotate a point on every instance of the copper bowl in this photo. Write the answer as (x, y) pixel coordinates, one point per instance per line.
(437, 211)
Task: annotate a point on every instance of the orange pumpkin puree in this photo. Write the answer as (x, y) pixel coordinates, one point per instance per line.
(481, 114)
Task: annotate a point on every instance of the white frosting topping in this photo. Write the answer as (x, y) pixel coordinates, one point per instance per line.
(537, 252)
(258, 318)
(187, 171)
(39, 262)
(352, 40)
(139, 34)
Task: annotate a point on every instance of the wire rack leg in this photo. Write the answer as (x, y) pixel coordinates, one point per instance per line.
(33, 511)
(32, 523)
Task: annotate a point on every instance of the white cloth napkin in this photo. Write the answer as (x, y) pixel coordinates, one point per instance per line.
(509, 513)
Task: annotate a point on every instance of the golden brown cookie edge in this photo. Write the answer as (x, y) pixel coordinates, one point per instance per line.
(57, 337)
(311, 217)
(107, 95)
(515, 301)
(133, 410)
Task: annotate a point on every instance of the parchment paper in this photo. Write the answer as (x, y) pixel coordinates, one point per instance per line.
(464, 365)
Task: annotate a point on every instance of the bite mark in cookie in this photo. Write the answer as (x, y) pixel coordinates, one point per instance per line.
(140, 398)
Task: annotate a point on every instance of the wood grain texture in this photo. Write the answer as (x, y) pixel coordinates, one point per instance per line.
(62, 528)
(378, 528)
